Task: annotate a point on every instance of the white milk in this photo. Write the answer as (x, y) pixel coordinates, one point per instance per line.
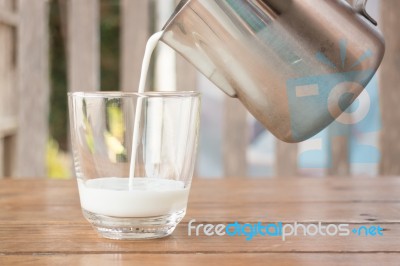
(150, 46)
(146, 198)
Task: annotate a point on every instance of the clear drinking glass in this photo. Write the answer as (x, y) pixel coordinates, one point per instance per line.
(134, 156)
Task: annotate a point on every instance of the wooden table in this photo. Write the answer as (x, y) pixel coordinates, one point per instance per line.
(41, 223)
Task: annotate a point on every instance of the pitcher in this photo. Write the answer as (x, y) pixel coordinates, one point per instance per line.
(296, 65)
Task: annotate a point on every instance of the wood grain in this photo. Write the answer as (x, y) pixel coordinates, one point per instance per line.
(389, 89)
(8, 90)
(1, 158)
(135, 30)
(339, 152)
(8, 18)
(41, 223)
(34, 88)
(235, 140)
(286, 159)
(83, 45)
(283, 259)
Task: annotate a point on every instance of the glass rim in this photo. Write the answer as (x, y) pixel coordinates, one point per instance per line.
(123, 94)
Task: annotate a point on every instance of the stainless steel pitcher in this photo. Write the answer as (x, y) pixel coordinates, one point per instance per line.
(296, 65)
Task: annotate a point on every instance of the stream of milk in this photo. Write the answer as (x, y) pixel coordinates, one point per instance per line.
(150, 47)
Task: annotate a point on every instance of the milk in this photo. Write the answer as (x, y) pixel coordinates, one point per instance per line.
(150, 46)
(146, 197)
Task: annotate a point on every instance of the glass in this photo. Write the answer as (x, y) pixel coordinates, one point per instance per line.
(158, 132)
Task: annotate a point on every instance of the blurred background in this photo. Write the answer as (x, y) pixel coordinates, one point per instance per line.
(48, 48)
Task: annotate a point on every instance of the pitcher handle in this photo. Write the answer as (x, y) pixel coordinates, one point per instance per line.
(359, 6)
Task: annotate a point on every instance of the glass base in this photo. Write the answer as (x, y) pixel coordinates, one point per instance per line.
(134, 228)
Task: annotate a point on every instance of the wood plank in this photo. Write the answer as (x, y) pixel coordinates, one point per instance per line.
(8, 126)
(135, 30)
(8, 90)
(283, 259)
(2, 160)
(246, 211)
(389, 93)
(311, 212)
(83, 45)
(9, 18)
(254, 200)
(34, 88)
(40, 226)
(9, 159)
(300, 190)
(9, 94)
(81, 239)
(339, 153)
(286, 159)
(235, 138)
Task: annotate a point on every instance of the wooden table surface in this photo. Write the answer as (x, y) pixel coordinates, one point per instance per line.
(41, 223)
